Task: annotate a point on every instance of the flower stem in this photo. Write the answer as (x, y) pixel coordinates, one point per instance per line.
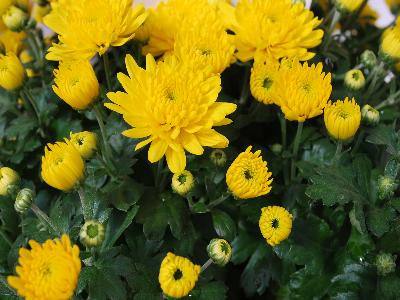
(282, 121)
(296, 145)
(360, 138)
(328, 35)
(5, 238)
(26, 94)
(336, 157)
(44, 217)
(107, 70)
(107, 149)
(84, 205)
(221, 199)
(206, 265)
(245, 87)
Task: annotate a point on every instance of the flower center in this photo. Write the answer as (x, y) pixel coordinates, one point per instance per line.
(92, 231)
(275, 223)
(178, 274)
(343, 114)
(182, 178)
(224, 247)
(248, 175)
(267, 83)
(80, 141)
(307, 87)
(355, 76)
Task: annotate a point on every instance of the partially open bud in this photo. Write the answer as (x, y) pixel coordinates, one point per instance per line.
(12, 72)
(354, 80)
(386, 187)
(85, 142)
(385, 263)
(218, 157)
(24, 200)
(368, 59)
(182, 183)
(92, 234)
(9, 180)
(15, 18)
(219, 251)
(369, 115)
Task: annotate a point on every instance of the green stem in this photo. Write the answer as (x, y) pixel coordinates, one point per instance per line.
(81, 194)
(339, 147)
(219, 200)
(107, 149)
(107, 70)
(160, 168)
(296, 145)
(328, 35)
(5, 238)
(44, 217)
(360, 138)
(245, 87)
(282, 121)
(26, 94)
(206, 265)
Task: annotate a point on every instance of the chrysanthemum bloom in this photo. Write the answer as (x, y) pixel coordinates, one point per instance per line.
(8, 178)
(390, 43)
(303, 90)
(273, 28)
(173, 106)
(85, 142)
(76, 83)
(87, 27)
(62, 165)
(12, 72)
(182, 182)
(354, 80)
(219, 251)
(264, 75)
(11, 41)
(275, 224)
(92, 234)
(348, 6)
(248, 176)
(15, 18)
(342, 118)
(178, 275)
(47, 271)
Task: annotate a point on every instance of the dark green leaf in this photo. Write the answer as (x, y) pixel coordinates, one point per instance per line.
(224, 226)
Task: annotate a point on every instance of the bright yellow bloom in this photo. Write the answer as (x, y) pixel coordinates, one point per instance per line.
(348, 6)
(182, 182)
(354, 79)
(8, 178)
(173, 106)
(15, 18)
(264, 75)
(275, 224)
(368, 16)
(178, 275)
(342, 118)
(303, 90)
(76, 83)
(11, 41)
(85, 142)
(273, 28)
(248, 175)
(48, 271)
(390, 42)
(62, 166)
(87, 27)
(12, 72)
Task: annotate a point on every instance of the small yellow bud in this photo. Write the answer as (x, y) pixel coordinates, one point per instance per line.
(385, 263)
(92, 234)
(15, 18)
(182, 183)
(24, 200)
(12, 72)
(389, 49)
(9, 180)
(218, 157)
(219, 251)
(370, 116)
(368, 59)
(85, 142)
(354, 80)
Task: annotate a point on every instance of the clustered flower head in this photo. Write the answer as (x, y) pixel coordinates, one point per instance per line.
(275, 224)
(390, 42)
(182, 182)
(47, 271)
(172, 107)
(248, 175)
(88, 27)
(11, 41)
(263, 80)
(85, 142)
(12, 72)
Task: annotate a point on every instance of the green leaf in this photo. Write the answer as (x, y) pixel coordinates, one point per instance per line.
(362, 168)
(395, 203)
(383, 135)
(392, 168)
(243, 246)
(379, 220)
(224, 226)
(357, 217)
(144, 282)
(388, 287)
(215, 290)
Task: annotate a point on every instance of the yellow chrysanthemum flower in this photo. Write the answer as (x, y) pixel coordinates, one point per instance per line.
(275, 224)
(15, 18)
(264, 75)
(390, 42)
(303, 90)
(182, 182)
(76, 83)
(178, 275)
(342, 118)
(87, 27)
(62, 165)
(248, 176)
(173, 106)
(273, 28)
(12, 72)
(11, 41)
(85, 142)
(348, 6)
(8, 178)
(47, 271)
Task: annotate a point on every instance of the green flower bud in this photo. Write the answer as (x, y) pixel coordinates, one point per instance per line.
(354, 80)
(385, 263)
(370, 116)
(24, 200)
(218, 157)
(219, 251)
(386, 187)
(182, 183)
(368, 59)
(92, 234)
(276, 149)
(15, 18)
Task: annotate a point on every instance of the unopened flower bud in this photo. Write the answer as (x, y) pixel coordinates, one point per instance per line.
(24, 200)
(386, 187)
(9, 180)
(15, 18)
(354, 80)
(218, 157)
(219, 251)
(182, 183)
(368, 59)
(370, 116)
(276, 149)
(92, 234)
(385, 263)
(85, 142)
